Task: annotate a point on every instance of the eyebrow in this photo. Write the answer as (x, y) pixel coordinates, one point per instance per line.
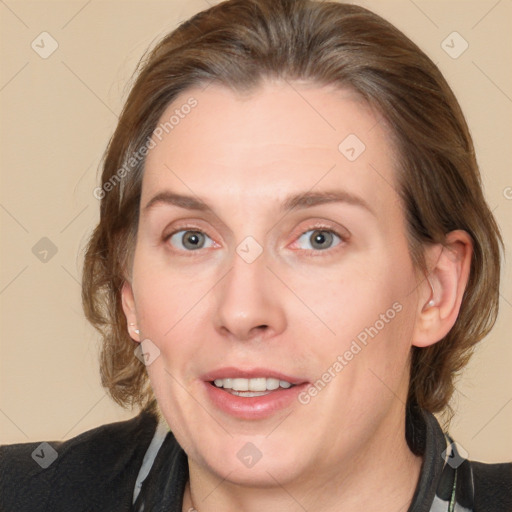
(291, 203)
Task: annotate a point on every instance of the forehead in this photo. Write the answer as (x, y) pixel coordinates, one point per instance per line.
(284, 137)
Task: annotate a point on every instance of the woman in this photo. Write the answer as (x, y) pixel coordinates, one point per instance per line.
(293, 261)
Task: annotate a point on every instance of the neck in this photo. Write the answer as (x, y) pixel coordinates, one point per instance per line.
(381, 478)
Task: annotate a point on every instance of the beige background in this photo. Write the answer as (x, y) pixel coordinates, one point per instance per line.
(57, 116)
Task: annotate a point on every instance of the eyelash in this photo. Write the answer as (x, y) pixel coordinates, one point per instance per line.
(311, 252)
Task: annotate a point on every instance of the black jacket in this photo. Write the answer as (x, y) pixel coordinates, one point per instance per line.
(97, 472)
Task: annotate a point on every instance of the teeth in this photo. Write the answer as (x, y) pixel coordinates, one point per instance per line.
(272, 384)
(257, 384)
(241, 384)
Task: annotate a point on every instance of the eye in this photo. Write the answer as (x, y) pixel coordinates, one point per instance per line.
(189, 240)
(320, 239)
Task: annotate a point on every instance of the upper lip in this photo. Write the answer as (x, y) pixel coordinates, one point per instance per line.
(232, 372)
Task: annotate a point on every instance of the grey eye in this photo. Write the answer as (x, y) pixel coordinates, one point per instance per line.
(320, 239)
(189, 240)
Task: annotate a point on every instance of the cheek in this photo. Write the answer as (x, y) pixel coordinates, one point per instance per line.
(368, 315)
(163, 296)
(367, 295)
(172, 313)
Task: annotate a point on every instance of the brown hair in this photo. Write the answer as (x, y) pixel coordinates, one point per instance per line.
(239, 43)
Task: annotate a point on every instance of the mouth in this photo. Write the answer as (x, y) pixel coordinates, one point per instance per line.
(252, 394)
(258, 386)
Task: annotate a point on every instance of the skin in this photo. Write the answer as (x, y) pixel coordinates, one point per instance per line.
(296, 307)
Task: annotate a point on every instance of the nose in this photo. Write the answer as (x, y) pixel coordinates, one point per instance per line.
(250, 301)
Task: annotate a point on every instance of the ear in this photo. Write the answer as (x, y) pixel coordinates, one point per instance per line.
(128, 302)
(440, 300)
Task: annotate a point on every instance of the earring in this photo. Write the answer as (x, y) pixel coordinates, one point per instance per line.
(136, 331)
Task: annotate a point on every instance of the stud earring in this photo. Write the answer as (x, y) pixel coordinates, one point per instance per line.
(136, 331)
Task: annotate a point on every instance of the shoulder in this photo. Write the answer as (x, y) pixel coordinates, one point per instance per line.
(88, 472)
(447, 474)
(492, 486)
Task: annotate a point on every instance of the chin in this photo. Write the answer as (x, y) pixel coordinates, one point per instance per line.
(254, 461)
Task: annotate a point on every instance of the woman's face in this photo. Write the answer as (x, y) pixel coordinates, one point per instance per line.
(271, 251)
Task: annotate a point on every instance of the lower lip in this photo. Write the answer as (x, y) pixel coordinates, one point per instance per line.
(255, 407)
